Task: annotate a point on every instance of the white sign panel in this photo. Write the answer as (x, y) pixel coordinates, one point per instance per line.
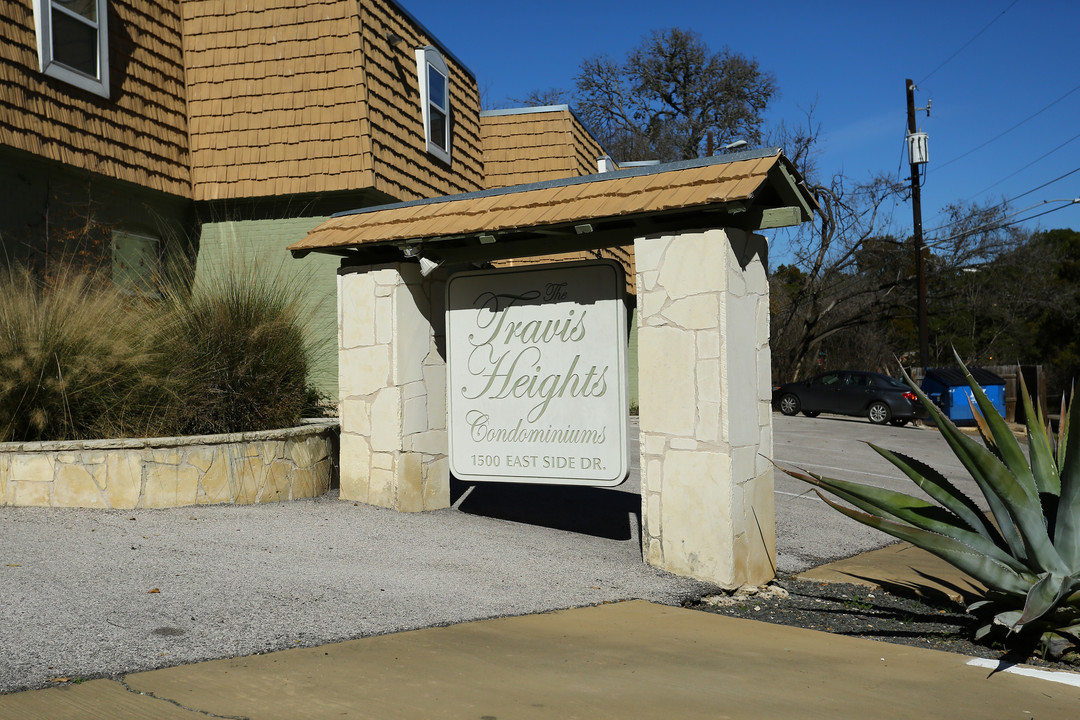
(536, 374)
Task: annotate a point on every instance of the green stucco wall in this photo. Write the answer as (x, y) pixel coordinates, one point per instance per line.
(227, 243)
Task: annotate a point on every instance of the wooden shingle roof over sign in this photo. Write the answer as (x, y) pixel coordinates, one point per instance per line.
(751, 190)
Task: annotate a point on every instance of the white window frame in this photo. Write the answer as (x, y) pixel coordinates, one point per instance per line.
(429, 57)
(52, 67)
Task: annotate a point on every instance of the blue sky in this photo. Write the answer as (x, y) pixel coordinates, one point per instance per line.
(993, 68)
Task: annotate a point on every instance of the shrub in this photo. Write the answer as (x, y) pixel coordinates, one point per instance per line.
(234, 351)
(81, 359)
(71, 357)
(1026, 549)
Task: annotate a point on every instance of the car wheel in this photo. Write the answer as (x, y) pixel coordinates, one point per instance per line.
(789, 404)
(810, 413)
(899, 422)
(879, 413)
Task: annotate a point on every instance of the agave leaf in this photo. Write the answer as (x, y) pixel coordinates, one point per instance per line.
(1042, 597)
(1009, 618)
(989, 572)
(1025, 511)
(1011, 453)
(984, 429)
(978, 605)
(1017, 510)
(964, 447)
(938, 487)
(1067, 529)
(984, 630)
(892, 505)
(837, 488)
(1063, 428)
(1043, 465)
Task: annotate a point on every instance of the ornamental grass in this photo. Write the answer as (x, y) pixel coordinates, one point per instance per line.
(235, 349)
(81, 359)
(72, 358)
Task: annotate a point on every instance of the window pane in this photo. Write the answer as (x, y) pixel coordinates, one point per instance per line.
(438, 126)
(75, 43)
(436, 88)
(86, 8)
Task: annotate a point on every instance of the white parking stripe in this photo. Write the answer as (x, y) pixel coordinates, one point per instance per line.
(802, 496)
(1058, 676)
(847, 471)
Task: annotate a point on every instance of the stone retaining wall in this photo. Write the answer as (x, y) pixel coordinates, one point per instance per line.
(240, 468)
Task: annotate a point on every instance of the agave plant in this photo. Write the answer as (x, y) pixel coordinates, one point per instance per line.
(1025, 549)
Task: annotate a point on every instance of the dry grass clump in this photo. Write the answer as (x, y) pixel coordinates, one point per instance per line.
(236, 351)
(71, 356)
(81, 359)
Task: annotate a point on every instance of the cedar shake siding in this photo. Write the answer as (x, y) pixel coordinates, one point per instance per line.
(403, 167)
(535, 144)
(290, 98)
(138, 134)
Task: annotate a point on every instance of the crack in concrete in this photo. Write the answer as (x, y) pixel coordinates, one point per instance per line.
(123, 683)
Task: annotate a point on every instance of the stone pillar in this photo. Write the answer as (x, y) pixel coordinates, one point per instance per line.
(392, 387)
(705, 406)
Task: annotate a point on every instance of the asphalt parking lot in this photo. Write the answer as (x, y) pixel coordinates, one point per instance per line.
(90, 593)
(808, 532)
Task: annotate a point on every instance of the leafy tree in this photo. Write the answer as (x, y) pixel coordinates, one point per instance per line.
(541, 98)
(670, 96)
(1056, 334)
(853, 301)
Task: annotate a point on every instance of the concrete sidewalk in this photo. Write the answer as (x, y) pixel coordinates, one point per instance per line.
(627, 659)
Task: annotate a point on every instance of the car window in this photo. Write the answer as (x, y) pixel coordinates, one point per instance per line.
(854, 380)
(828, 379)
(888, 382)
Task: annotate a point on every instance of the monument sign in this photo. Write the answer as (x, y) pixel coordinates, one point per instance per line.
(537, 376)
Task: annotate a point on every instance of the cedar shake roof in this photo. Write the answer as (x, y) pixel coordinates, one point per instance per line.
(753, 190)
(139, 135)
(529, 145)
(289, 97)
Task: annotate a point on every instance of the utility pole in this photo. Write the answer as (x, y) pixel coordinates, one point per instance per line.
(917, 155)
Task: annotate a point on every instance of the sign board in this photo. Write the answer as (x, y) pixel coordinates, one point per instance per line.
(536, 374)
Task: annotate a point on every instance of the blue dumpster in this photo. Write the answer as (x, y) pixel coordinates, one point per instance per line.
(949, 390)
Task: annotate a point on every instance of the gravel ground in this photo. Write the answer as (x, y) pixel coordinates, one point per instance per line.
(859, 611)
(96, 593)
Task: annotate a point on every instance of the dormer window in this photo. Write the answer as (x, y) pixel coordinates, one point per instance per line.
(434, 80)
(73, 42)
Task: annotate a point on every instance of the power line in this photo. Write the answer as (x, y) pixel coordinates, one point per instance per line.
(1006, 132)
(1004, 203)
(1045, 212)
(973, 39)
(998, 224)
(1044, 155)
(1051, 182)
